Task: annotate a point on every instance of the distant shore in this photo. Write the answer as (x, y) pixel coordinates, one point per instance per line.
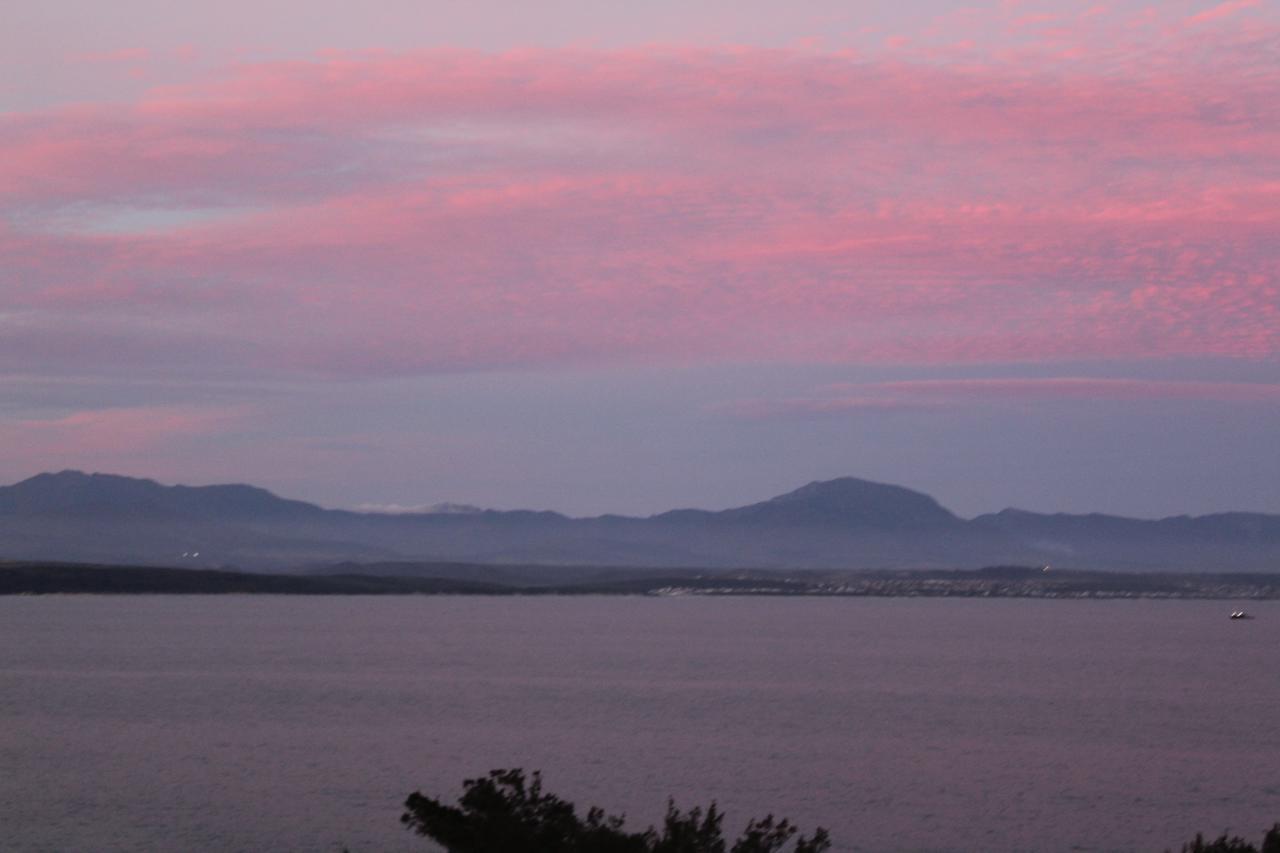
(45, 578)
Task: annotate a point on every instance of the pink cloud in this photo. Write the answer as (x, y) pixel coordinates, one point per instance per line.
(449, 210)
(1222, 10)
(933, 393)
(112, 434)
(1083, 388)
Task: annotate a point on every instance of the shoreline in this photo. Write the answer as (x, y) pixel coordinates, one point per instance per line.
(41, 578)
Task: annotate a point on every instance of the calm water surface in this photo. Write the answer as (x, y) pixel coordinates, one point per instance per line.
(283, 723)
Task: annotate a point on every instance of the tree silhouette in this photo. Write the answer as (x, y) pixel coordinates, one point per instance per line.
(505, 813)
(1234, 844)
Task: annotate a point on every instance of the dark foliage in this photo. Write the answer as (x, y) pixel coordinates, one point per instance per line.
(1234, 844)
(506, 813)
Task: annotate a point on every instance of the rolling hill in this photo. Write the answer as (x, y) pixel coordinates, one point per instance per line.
(841, 523)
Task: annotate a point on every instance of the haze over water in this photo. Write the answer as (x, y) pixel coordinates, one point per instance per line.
(256, 723)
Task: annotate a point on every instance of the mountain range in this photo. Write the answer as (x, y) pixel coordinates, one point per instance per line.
(846, 523)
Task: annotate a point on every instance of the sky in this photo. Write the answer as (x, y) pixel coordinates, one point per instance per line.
(623, 257)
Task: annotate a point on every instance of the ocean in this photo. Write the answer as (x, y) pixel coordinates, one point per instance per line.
(274, 723)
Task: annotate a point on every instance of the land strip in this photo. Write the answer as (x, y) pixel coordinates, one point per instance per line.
(35, 578)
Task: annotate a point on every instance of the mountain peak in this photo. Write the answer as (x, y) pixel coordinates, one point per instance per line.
(70, 488)
(72, 476)
(850, 500)
(75, 493)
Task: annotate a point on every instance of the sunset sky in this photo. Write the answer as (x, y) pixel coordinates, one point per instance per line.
(619, 257)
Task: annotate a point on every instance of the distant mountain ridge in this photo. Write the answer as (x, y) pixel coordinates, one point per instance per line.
(841, 523)
(78, 493)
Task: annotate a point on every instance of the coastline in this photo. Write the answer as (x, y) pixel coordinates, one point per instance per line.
(41, 578)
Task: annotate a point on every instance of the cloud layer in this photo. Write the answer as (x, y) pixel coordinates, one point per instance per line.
(917, 394)
(1082, 193)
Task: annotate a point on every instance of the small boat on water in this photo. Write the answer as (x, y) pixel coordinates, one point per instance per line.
(1240, 614)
